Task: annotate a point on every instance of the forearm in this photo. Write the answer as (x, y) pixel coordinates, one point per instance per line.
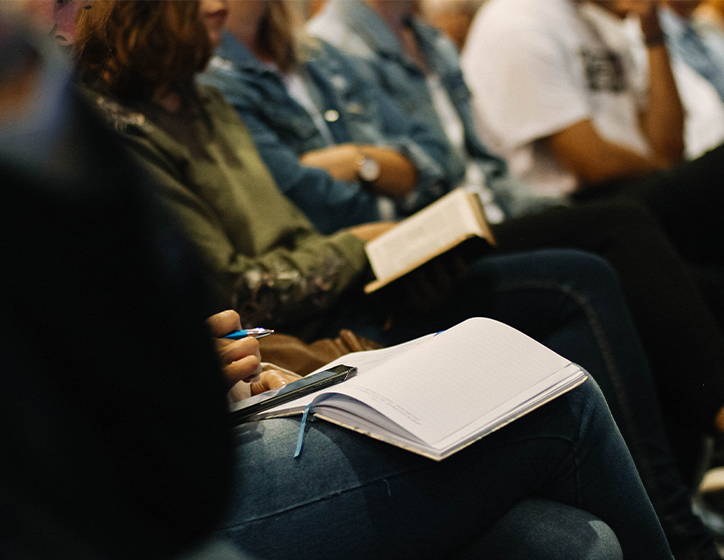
(398, 175)
(594, 160)
(663, 120)
(616, 162)
(330, 204)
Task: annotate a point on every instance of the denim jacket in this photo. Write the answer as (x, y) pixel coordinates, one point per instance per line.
(355, 28)
(698, 50)
(355, 111)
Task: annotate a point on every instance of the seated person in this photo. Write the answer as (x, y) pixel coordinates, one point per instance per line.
(116, 440)
(658, 284)
(698, 48)
(359, 471)
(694, 65)
(269, 261)
(343, 153)
(603, 138)
(641, 144)
(600, 136)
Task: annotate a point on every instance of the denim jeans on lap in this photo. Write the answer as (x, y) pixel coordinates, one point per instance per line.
(571, 302)
(349, 496)
(545, 530)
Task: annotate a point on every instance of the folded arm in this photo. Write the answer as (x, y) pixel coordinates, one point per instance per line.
(397, 177)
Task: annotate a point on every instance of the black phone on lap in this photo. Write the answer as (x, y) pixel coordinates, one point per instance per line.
(243, 410)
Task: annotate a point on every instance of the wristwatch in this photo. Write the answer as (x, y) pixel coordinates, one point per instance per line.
(368, 169)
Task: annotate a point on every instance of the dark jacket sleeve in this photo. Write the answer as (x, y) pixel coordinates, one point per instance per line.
(297, 278)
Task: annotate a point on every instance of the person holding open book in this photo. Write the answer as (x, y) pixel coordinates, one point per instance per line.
(276, 269)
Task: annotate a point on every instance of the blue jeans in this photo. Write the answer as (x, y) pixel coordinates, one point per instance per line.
(535, 528)
(349, 496)
(571, 302)
(545, 530)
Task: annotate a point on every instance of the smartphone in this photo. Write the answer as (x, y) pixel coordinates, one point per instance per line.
(242, 410)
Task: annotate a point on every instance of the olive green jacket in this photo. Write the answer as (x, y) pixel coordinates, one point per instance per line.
(267, 260)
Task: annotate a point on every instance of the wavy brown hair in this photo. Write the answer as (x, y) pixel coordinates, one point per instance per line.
(281, 34)
(134, 48)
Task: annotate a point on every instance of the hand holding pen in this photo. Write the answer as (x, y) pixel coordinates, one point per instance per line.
(240, 358)
(238, 352)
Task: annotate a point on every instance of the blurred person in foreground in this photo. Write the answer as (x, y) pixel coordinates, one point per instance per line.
(114, 424)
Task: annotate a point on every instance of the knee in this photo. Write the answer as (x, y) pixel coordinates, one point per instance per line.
(547, 530)
(620, 214)
(545, 268)
(580, 270)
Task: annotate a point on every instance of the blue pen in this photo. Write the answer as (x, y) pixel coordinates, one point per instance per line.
(256, 332)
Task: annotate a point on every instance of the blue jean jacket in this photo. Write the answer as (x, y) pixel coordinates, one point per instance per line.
(700, 50)
(356, 29)
(355, 111)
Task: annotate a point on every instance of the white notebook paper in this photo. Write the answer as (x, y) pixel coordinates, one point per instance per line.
(437, 394)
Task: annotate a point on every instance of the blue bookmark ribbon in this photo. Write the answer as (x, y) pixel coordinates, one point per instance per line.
(300, 437)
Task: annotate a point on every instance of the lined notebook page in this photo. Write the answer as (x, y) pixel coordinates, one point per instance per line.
(364, 361)
(490, 362)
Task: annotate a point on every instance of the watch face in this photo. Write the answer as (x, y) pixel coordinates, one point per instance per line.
(369, 170)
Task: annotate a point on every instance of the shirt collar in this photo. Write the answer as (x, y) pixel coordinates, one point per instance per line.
(365, 22)
(232, 50)
(674, 25)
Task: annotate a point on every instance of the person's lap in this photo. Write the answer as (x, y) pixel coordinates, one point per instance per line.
(569, 301)
(349, 496)
(545, 530)
(678, 330)
(687, 201)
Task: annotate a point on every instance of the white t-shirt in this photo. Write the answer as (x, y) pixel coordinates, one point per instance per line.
(298, 89)
(537, 67)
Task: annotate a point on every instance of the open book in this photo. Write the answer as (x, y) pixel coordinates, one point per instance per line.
(438, 394)
(434, 230)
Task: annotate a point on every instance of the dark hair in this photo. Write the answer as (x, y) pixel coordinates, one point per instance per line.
(131, 48)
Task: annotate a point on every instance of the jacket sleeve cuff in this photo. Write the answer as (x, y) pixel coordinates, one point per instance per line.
(430, 177)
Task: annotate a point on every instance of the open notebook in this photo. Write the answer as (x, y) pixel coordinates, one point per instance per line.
(438, 394)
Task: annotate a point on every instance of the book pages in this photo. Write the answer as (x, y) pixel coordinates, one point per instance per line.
(427, 233)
